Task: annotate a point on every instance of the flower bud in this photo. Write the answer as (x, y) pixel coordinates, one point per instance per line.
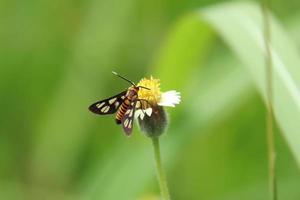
(155, 124)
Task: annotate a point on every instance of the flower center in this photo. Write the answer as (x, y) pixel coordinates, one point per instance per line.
(153, 96)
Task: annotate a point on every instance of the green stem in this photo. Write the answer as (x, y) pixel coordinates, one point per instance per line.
(160, 172)
(270, 112)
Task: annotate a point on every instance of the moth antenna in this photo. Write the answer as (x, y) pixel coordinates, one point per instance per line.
(115, 73)
(144, 87)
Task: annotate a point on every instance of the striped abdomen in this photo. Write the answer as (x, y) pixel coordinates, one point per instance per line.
(122, 110)
(130, 97)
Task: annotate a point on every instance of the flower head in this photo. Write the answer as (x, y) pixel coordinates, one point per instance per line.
(153, 94)
(150, 112)
(152, 97)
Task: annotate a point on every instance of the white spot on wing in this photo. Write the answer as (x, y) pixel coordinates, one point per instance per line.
(99, 105)
(111, 101)
(126, 122)
(130, 114)
(105, 109)
(127, 112)
(130, 124)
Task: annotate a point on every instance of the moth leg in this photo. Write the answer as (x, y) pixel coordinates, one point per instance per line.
(142, 105)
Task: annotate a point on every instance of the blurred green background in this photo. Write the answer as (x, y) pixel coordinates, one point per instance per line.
(56, 58)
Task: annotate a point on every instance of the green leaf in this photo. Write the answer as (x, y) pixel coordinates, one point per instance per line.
(240, 25)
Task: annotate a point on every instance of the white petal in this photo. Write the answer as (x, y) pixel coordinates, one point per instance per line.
(170, 98)
(148, 111)
(139, 114)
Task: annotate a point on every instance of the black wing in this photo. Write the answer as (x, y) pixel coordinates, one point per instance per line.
(108, 106)
(127, 121)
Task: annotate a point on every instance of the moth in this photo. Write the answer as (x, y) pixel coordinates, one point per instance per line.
(124, 104)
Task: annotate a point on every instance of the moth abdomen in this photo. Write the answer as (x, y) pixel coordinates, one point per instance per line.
(121, 112)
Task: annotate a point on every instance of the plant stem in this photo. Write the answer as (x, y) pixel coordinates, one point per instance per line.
(270, 112)
(160, 172)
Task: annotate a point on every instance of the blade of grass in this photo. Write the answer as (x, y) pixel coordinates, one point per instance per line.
(269, 100)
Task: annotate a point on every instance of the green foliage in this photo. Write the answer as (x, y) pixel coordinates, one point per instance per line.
(56, 59)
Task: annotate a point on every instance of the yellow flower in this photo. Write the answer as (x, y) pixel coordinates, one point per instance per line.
(153, 93)
(151, 97)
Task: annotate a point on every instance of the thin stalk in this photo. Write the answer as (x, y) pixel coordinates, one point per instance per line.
(270, 113)
(160, 171)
